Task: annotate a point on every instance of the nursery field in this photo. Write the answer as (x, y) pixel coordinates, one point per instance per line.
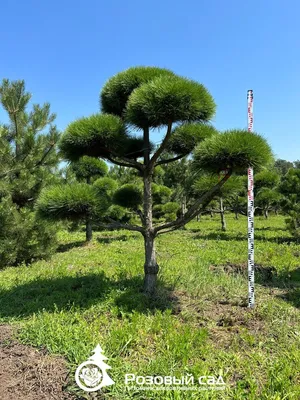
(197, 324)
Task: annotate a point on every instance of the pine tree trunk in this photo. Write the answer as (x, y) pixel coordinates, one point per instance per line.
(151, 268)
(222, 213)
(236, 215)
(88, 225)
(183, 206)
(88, 230)
(211, 214)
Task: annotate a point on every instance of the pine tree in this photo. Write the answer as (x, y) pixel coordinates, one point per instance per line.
(143, 99)
(88, 169)
(28, 161)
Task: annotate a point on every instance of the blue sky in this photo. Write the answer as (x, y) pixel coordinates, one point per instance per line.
(65, 50)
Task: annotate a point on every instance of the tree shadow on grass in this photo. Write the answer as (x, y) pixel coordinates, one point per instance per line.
(80, 291)
(289, 285)
(110, 239)
(227, 236)
(62, 248)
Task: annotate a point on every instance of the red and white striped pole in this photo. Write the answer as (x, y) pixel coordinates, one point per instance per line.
(250, 211)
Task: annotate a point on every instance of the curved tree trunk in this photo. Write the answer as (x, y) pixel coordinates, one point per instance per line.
(222, 213)
(266, 213)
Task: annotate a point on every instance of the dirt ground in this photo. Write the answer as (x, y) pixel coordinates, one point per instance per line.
(29, 374)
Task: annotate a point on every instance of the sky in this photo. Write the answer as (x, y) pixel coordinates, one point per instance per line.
(66, 50)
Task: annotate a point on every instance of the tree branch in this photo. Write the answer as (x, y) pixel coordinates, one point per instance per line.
(202, 202)
(125, 162)
(162, 147)
(141, 215)
(45, 155)
(170, 160)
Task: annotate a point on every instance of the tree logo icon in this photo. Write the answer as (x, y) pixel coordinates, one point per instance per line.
(91, 375)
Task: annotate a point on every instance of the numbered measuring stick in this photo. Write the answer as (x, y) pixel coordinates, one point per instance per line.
(250, 211)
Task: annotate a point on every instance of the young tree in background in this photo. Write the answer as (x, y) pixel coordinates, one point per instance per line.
(87, 169)
(28, 162)
(223, 196)
(290, 189)
(145, 98)
(266, 194)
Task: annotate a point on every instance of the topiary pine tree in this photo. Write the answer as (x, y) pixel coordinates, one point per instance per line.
(86, 169)
(145, 98)
(223, 196)
(28, 161)
(289, 187)
(266, 194)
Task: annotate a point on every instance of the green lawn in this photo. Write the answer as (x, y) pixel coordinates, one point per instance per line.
(197, 324)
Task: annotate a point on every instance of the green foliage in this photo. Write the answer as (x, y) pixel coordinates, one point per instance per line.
(99, 135)
(117, 89)
(88, 167)
(134, 148)
(175, 99)
(105, 187)
(117, 213)
(290, 188)
(128, 196)
(91, 294)
(23, 237)
(158, 175)
(185, 137)
(28, 162)
(233, 186)
(160, 193)
(266, 179)
(171, 207)
(282, 166)
(75, 201)
(235, 149)
(267, 197)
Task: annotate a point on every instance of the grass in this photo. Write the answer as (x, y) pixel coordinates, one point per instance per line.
(198, 323)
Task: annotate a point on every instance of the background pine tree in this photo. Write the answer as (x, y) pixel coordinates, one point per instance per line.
(28, 162)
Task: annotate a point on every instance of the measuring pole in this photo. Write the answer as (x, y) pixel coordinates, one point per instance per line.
(250, 211)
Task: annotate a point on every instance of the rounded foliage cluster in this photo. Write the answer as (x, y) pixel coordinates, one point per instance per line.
(160, 193)
(117, 89)
(233, 186)
(235, 149)
(169, 99)
(128, 196)
(97, 136)
(74, 201)
(88, 167)
(185, 137)
(266, 178)
(105, 187)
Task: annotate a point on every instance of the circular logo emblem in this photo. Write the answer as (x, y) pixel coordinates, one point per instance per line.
(89, 376)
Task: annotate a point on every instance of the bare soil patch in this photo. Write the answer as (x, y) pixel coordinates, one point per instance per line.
(29, 374)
